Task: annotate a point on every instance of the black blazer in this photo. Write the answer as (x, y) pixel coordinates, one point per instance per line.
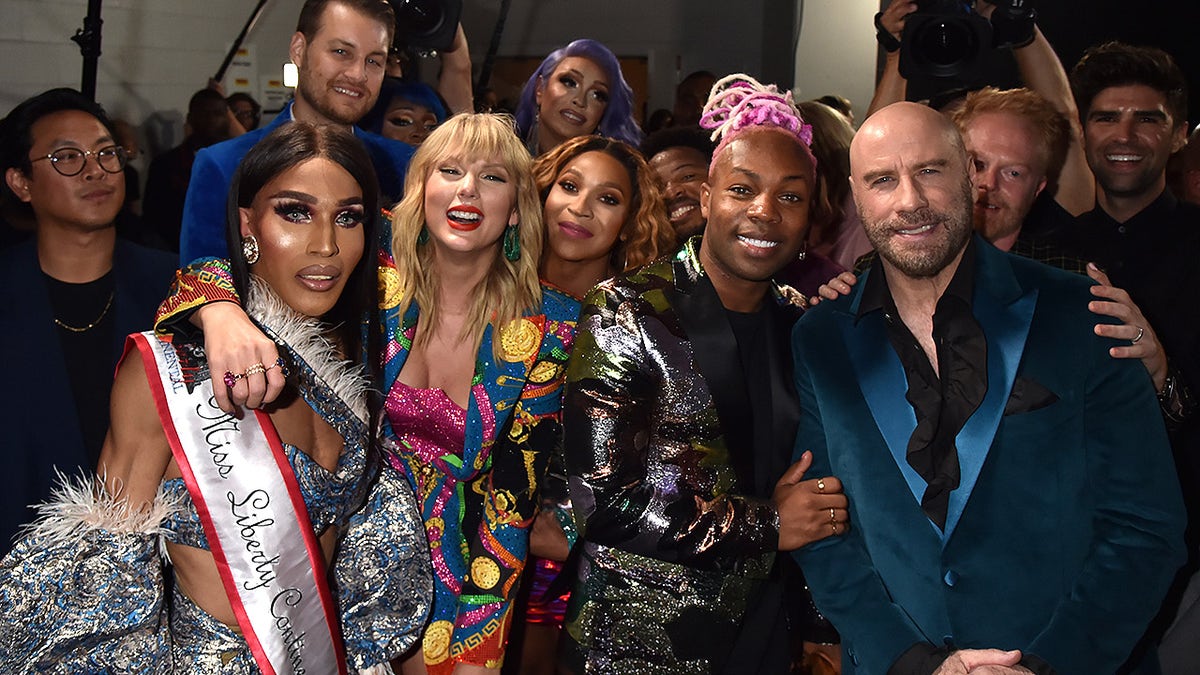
(37, 411)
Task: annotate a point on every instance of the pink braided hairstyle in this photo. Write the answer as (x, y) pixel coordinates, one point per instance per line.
(739, 102)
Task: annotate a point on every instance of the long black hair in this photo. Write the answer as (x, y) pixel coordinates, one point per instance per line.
(353, 316)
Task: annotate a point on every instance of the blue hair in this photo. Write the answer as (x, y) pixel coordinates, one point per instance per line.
(617, 121)
(414, 92)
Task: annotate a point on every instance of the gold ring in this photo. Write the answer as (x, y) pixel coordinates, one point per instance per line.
(255, 369)
(834, 525)
(820, 485)
(832, 515)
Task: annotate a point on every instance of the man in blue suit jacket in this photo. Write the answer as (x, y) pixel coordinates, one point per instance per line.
(1010, 484)
(340, 50)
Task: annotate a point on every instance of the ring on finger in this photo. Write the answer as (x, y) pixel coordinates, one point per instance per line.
(281, 366)
(255, 369)
(832, 515)
(231, 378)
(835, 525)
(821, 485)
(1141, 332)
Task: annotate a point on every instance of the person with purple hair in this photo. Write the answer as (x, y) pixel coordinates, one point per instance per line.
(576, 91)
(679, 418)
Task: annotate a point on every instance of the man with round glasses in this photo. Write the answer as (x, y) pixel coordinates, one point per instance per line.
(68, 295)
(71, 161)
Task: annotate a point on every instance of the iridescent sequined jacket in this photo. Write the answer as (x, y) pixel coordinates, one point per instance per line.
(669, 485)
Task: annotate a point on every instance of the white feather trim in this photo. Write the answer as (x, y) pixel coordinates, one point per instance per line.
(82, 502)
(377, 669)
(306, 336)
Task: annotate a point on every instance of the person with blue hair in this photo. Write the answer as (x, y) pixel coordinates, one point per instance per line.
(576, 91)
(405, 112)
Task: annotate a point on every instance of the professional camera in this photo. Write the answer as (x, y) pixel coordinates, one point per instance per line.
(944, 38)
(947, 39)
(426, 24)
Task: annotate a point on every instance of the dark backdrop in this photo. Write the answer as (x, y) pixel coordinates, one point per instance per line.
(1073, 25)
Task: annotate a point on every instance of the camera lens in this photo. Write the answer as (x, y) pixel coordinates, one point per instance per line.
(945, 43)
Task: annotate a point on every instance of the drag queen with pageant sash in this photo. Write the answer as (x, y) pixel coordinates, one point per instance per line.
(271, 541)
(474, 356)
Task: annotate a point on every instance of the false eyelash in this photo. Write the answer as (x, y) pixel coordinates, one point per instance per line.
(284, 209)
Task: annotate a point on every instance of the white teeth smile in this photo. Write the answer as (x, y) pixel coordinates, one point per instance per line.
(465, 215)
(682, 211)
(1123, 158)
(573, 116)
(317, 277)
(760, 243)
(347, 92)
(917, 230)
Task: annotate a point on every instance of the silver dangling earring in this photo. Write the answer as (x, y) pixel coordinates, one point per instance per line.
(250, 249)
(803, 252)
(531, 136)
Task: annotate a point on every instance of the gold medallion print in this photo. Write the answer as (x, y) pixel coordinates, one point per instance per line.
(389, 288)
(520, 340)
(485, 573)
(543, 372)
(437, 641)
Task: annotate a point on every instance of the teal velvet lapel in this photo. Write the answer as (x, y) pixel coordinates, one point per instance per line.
(883, 383)
(1004, 312)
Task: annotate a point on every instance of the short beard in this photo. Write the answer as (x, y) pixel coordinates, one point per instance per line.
(927, 262)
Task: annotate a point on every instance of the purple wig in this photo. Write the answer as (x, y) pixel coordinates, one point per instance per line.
(616, 122)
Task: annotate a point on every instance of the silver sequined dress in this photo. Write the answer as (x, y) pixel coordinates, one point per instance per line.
(88, 589)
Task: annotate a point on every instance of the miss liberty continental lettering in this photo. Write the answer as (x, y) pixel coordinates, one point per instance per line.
(247, 515)
(289, 597)
(220, 425)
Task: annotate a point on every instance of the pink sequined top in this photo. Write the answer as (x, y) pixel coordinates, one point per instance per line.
(430, 425)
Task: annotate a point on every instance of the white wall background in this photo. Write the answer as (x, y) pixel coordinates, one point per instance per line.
(837, 52)
(155, 53)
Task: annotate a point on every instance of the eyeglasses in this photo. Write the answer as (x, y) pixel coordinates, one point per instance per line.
(70, 161)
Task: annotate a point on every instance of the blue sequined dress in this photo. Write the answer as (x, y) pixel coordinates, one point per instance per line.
(89, 589)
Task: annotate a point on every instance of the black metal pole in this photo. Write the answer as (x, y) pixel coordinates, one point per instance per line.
(485, 71)
(237, 43)
(88, 39)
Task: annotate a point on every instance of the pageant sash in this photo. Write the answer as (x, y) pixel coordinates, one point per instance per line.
(253, 515)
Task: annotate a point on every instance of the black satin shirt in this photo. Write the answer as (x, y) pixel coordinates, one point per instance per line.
(942, 404)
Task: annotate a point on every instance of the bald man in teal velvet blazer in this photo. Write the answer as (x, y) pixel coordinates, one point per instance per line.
(1063, 524)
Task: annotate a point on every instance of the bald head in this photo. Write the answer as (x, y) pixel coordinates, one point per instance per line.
(912, 184)
(904, 126)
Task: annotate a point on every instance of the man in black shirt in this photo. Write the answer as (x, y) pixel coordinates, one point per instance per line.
(1005, 474)
(1133, 103)
(679, 417)
(68, 297)
(170, 172)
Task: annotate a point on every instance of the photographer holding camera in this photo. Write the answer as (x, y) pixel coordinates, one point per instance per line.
(944, 38)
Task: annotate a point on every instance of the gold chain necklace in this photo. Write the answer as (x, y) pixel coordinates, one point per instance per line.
(103, 313)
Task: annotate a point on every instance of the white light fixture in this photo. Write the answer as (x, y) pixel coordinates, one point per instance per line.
(290, 75)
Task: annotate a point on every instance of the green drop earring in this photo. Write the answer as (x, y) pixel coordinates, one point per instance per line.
(423, 236)
(512, 243)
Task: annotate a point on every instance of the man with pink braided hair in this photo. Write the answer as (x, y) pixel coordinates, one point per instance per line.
(680, 416)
